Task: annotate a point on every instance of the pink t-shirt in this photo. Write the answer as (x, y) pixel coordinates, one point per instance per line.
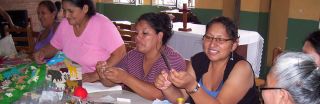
(99, 39)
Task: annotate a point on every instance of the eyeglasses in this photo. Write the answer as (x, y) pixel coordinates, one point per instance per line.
(270, 88)
(218, 40)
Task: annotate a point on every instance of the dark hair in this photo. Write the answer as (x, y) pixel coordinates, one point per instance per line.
(314, 39)
(230, 26)
(49, 5)
(160, 22)
(80, 3)
(58, 5)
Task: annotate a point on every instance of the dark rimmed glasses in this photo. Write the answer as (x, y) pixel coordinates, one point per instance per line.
(270, 88)
(217, 40)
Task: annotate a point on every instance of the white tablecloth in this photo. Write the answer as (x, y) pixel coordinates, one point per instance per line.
(190, 43)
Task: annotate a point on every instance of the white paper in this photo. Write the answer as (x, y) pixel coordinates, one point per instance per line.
(123, 100)
(98, 87)
(107, 99)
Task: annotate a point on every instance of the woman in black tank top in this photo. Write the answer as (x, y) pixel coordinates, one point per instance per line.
(216, 76)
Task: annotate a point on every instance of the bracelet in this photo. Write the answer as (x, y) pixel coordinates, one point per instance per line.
(194, 90)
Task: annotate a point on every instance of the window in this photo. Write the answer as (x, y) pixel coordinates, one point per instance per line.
(136, 2)
(174, 3)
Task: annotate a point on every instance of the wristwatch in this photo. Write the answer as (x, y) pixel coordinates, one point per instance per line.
(194, 90)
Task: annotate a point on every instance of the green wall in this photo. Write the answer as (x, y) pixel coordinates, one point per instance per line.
(132, 12)
(205, 15)
(257, 21)
(298, 30)
(125, 12)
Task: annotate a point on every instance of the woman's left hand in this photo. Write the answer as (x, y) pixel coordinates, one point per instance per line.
(182, 79)
(90, 77)
(116, 75)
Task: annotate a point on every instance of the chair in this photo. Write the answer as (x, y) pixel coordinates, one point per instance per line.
(128, 38)
(23, 38)
(275, 53)
(259, 82)
(124, 26)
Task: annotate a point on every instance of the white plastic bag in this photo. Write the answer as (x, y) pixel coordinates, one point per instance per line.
(7, 47)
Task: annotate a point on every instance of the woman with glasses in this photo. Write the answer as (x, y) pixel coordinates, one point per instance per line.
(215, 76)
(140, 67)
(312, 46)
(294, 79)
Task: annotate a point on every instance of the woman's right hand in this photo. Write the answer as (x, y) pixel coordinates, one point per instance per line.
(162, 81)
(101, 66)
(39, 57)
(182, 79)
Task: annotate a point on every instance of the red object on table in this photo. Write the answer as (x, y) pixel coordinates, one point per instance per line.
(184, 18)
(80, 92)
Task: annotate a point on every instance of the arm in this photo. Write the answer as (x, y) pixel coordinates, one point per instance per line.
(172, 92)
(114, 59)
(45, 52)
(146, 90)
(234, 89)
(117, 55)
(142, 88)
(6, 17)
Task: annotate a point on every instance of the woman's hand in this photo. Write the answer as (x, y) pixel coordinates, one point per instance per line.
(101, 67)
(182, 79)
(90, 77)
(39, 57)
(162, 81)
(115, 75)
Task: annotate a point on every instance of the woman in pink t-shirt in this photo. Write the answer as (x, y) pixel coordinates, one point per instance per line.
(85, 37)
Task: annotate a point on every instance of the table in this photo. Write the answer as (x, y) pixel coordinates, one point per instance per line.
(190, 43)
(135, 99)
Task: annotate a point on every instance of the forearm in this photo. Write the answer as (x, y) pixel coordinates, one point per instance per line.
(146, 90)
(107, 82)
(116, 56)
(201, 97)
(172, 93)
(6, 16)
(49, 51)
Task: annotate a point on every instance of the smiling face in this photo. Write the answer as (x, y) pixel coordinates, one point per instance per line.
(45, 17)
(75, 15)
(310, 50)
(219, 46)
(147, 39)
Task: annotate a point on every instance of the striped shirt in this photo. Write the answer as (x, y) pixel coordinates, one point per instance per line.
(133, 64)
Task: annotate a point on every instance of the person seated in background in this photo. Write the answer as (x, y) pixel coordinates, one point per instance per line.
(218, 75)
(85, 37)
(140, 67)
(294, 79)
(47, 13)
(312, 46)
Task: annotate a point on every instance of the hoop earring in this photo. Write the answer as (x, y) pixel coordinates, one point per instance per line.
(231, 58)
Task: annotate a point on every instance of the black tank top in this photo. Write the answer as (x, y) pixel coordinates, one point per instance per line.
(200, 64)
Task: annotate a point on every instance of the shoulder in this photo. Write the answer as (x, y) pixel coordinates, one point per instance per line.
(172, 54)
(242, 69)
(199, 59)
(243, 66)
(64, 22)
(100, 18)
(198, 56)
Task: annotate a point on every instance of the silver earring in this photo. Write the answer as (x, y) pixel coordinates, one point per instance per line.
(231, 58)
